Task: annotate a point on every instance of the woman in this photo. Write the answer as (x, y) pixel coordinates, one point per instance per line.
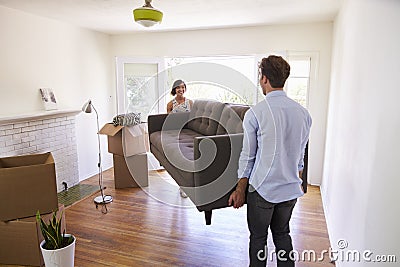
(179, 104)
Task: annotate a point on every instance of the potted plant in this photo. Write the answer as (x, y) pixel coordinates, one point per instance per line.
(58, 248)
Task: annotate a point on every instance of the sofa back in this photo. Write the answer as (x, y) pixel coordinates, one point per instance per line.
(204, 116)
(231, 120)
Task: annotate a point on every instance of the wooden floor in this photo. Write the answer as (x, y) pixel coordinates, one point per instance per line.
(139, 230)
(156, 227)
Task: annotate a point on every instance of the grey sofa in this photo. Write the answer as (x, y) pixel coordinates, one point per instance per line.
(200, 150)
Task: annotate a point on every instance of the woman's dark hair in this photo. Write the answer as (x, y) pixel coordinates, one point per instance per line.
(176, 84)
(276, 69)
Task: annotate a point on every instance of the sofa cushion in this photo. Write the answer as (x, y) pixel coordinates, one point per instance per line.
(182, 178)
(231, 121)
(177, 148)
(204, 116)
(175, 143)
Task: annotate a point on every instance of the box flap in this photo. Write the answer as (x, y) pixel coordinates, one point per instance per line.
(110, 129)
(136, 130)
(49, 159)
(26, 160)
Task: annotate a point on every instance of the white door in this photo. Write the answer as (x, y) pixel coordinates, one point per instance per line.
(138, 86)
(138, 90)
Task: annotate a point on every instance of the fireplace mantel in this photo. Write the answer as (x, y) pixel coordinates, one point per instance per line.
(43, 131)
(38, 115)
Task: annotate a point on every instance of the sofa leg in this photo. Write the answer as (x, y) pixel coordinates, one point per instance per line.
(208, 214)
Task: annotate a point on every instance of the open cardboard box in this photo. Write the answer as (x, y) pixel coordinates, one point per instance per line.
(27, 184)
(20, 240)
(126, 140)
(128, 144)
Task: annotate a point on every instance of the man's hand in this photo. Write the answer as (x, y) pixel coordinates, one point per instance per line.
(238, 196)
(237, 199)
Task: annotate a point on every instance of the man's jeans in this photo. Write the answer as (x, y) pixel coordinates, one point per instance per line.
(260, 215)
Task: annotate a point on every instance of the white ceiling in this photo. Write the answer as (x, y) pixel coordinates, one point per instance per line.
(115, 16)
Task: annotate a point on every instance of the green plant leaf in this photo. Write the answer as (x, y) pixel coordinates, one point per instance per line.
(51, 232)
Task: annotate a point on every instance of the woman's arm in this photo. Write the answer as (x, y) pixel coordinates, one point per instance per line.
(169, 107)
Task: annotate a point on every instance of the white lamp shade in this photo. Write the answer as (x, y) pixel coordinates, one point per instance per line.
(147, 23)
(87, 107)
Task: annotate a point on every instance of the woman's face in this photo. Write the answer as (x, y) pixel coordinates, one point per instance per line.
(180, 89)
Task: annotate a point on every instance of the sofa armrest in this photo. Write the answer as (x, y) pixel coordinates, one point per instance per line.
(155, 122)
(171, 121)
(216, 160)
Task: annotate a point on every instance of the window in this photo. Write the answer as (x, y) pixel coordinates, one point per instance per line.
(238, 71)
(298, 83)
(144, 85)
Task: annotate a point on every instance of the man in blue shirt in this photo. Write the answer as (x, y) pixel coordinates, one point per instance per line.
(276, 131)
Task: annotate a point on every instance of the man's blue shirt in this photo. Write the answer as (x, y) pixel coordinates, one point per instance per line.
(276, 131)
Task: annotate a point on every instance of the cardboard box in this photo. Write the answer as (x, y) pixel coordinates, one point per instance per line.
(20, 240)
(125, 140)
(27, 184)
(130, 171)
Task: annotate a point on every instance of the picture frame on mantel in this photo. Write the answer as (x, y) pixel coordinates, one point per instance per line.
(48, 98)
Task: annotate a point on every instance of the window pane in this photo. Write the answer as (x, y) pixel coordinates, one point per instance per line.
(215, 92)
(296, 89)
(140, 82)
(138, 97)
(300, 68)
(239, 65)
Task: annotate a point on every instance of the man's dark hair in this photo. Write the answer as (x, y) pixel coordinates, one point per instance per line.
(176, 84)
(276, 69)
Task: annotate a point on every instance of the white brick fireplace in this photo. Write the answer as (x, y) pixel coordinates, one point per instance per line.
(50, 131)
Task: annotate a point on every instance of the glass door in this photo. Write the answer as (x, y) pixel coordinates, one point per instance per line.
(138, 86)
(138, 90)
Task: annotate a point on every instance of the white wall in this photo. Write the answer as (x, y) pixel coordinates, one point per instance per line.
(361, 175)
(38, 52)
(247, 41)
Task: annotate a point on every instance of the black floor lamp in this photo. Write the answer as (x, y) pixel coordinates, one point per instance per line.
(102, 199)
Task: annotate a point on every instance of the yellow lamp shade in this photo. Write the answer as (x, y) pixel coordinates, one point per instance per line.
(147, 16)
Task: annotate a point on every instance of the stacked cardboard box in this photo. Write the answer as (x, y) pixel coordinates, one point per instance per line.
(27, 184)
(20, 240)
(128, 144)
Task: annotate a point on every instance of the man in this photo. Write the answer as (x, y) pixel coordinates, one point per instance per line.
(276, 131)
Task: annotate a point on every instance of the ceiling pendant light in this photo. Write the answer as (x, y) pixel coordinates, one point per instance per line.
(147, 15)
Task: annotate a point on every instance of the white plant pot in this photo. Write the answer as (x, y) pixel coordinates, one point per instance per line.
(63, 257)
